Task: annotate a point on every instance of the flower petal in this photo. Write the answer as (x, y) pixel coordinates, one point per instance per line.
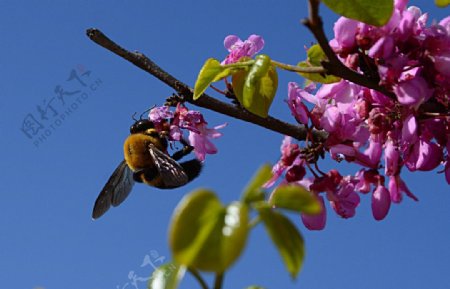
(316, 222)
(381, 202)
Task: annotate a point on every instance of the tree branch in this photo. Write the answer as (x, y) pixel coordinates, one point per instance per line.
(334, 66)
(205, 101)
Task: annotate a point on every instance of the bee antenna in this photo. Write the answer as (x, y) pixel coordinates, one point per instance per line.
(147, 111)
(133, 116)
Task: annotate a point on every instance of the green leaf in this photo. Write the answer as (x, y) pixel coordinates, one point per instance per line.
(257, 70)
(192, 224)
(371, 12)
(206, 235)
(167, 276)
(253, 191)
(211, 71)
(237, 82)
(442, 3)
(226, 241)
(260, 86)
(295, 198)
(286, 238)
(315, 56)
(255, 88)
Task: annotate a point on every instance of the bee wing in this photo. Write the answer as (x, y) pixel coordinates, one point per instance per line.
(115, 191)
(172, 174)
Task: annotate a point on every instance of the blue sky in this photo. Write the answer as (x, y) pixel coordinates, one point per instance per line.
(47, 237)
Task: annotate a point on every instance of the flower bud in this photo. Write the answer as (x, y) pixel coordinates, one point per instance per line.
(381, 202)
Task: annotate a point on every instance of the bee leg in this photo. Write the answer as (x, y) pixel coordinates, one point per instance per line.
(192, 168)
(187, 149)
(137, 176)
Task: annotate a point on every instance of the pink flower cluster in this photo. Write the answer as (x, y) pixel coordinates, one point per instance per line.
(382, 134)
(239, 48)
(199, 135)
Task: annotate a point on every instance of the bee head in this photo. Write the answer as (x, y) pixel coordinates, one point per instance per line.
(141, 125)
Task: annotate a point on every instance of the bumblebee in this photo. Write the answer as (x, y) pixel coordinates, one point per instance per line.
(146, 161)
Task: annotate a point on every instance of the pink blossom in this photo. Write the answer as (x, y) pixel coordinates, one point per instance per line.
(200, 140)
(445, 23)
(408, 126)
(343, 92)
(436, 128)
(381, 202)
(239, 48)
(392, 159)
(277, 171)
(316, 222)
(442, 63)
(344, 31)
(405, 27)
(409, 130)
(372, 155)
(341, 149)
(175, 133)
(413, 91)
(383, 48)
(199, 133)
(289, 155)
(396, 187)
(296, 172)
(296, 105)
(365, 178)
(424, 156)
(400, 4)
(345, 200)
(188, 119)
(159, 114)
(332, 119)
(327, 183)
(369, 158)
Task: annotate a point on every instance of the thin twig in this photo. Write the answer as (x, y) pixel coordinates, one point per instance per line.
(198, 277)
(333, 65)
(318, 69)
(218, 281)
(205, 101)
